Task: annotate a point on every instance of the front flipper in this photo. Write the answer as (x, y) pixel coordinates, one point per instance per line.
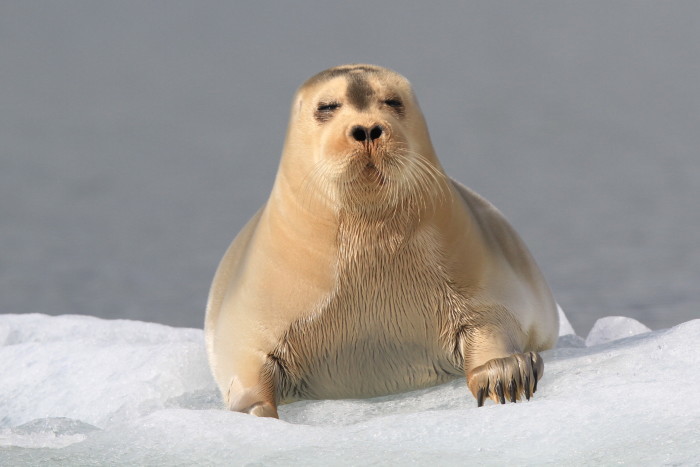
(262, 409)
(251, 388)
(507, 378)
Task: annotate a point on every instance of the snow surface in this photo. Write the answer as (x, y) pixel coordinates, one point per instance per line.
(78, 390)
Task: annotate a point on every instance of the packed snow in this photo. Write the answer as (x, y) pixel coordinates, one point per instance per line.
(78, 390)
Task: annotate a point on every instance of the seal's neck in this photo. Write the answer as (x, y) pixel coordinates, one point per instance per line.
(374, 233)
(352, 225)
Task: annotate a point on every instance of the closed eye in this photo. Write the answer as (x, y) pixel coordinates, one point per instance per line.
(327, 107)
(324, 111)
(395, 103)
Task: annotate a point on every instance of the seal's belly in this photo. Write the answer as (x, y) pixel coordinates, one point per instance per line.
(381, 333)
(373, 366)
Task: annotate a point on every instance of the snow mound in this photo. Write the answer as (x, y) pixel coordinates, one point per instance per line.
(613, 328)
(77, 390)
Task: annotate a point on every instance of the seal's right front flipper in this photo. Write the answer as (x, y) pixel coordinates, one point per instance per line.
(252, 391)
(262, 409)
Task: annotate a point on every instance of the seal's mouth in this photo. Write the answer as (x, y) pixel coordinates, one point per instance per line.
(373, 174)
(369, 174)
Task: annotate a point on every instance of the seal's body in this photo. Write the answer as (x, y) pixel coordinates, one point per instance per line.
(369, 271)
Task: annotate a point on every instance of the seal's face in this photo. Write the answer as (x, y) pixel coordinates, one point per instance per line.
(363, 137)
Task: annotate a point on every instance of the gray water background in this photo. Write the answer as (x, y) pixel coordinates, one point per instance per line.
(136, 139)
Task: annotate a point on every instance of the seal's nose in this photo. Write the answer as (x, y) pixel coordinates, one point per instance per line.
(362, 134)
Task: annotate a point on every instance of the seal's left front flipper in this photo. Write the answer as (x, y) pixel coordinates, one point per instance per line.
(506, 378)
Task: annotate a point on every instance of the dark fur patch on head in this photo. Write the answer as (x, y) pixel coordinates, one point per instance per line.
(359, 92)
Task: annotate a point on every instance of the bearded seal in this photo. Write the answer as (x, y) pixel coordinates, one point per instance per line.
(369, 271)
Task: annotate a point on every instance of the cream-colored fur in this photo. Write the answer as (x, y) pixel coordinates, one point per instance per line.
(369, 271)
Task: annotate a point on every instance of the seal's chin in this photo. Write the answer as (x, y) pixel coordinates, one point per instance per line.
(372, 175)
(365, 172)
(380, 178)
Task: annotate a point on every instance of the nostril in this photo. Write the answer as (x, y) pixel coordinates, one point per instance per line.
(359, 133)
(375, 132)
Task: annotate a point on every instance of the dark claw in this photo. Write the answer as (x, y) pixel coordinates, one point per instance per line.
(480, 397)
(511, 389)
(528, 394)
(499, 391)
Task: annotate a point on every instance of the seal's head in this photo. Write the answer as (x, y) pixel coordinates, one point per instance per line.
(357, 139)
